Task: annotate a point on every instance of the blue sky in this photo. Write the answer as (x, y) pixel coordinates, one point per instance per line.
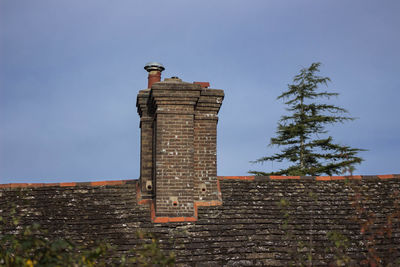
(70, 71)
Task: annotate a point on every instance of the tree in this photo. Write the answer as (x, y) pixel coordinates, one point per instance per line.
(299, 133)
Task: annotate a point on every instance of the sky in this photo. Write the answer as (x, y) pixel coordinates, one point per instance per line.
(70, 71)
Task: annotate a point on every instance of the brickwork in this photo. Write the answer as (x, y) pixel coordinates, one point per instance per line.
(205, 146)
(180, 119)
(174, 164)
(146, 149)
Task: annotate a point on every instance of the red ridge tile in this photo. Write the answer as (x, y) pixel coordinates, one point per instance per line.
(323, 178)
(284, 177)
(67, 184)
(333, 178)
(386, 176)
(100, 183)
(18, 185)
(236, 177)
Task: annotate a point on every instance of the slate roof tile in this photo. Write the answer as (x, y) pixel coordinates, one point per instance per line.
(246, 230)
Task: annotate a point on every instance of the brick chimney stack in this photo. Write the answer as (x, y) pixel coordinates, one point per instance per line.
(178, 122)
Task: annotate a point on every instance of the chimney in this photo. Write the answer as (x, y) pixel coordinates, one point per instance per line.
(154, 69)
(178, 122)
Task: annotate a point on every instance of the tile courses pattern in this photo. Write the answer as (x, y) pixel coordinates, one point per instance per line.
(247, 229)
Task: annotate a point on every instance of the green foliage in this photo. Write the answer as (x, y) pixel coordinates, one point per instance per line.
(339, 249)
(300, 132)
(151, 255)
(30, 246)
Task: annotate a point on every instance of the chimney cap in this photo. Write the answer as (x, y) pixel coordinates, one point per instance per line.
(154, 66)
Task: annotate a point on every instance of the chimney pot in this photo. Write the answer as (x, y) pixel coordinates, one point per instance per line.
(154, 69)
(203, 84)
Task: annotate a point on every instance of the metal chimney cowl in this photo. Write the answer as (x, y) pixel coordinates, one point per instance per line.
(154, 69)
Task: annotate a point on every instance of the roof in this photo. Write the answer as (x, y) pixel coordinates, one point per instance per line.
(262, 219)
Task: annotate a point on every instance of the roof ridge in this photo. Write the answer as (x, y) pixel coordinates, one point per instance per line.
(68, 184)
(317, 178)
(248, 178)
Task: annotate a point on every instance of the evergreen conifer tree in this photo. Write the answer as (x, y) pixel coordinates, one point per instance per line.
(300, 132)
